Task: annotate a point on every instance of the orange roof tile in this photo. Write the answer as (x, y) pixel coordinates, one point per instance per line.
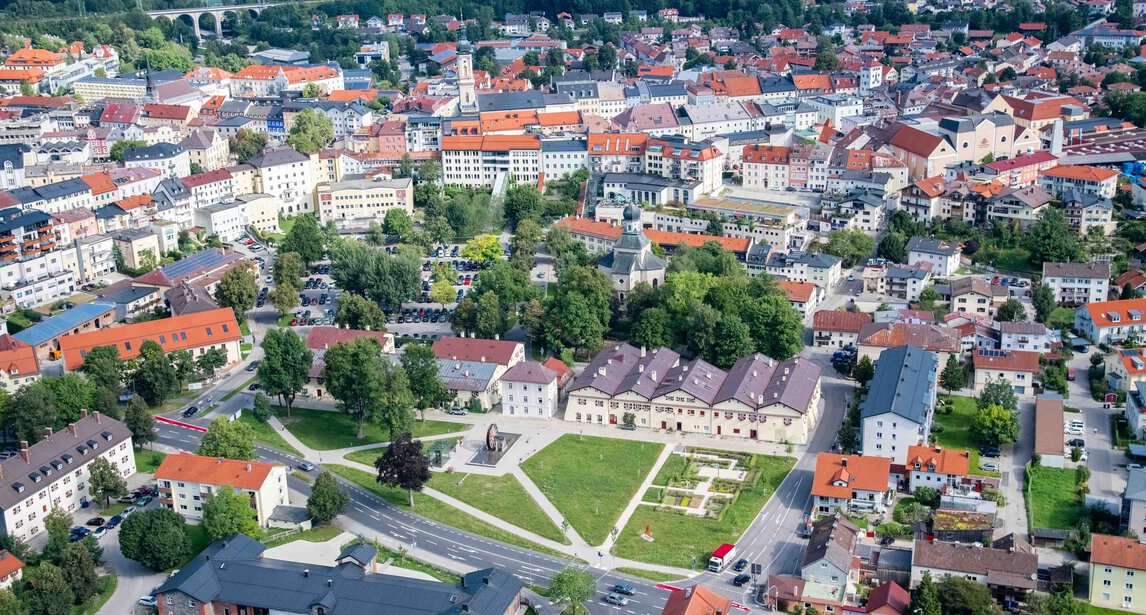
(766, 154)
(31, 75)
(1094, 174)
(1117, 551)
(175, 333)
(352, 95)
(631, 144)
(732, 244)
(28, 56)
(1100, 312)
(812, 82)
(585, 226)
(797, 291)
(839, 321)
(100, 183)
(931, 186)
(491, 143)
(559, 118)
(9, 563)
(17, 358)
(1009, 360)
(837, 476)
(238, 473)
(950, 461)
(507, 120)
(699, 601)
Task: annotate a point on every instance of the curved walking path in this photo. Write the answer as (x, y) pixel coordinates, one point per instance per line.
(579, 549)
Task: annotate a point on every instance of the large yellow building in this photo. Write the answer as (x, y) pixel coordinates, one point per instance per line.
(1118, 573)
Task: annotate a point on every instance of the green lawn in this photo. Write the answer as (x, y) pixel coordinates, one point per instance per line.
(435, 510)
(146, 461)
(240, 388)
(401, 560)
(113, 510)
(1014, 259)
(321, 533)
(265, 434)
(957, 430)
(678, 539)
(1095, 610)
(651, 575)
(1052, 498)
(324, 430)
(674, 466)
(284, 320)
(500, 496)
(591, 479)
(199, 540)
(368, 455)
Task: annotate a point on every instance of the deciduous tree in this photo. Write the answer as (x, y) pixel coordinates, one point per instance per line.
(103, 366)
(426, 385)
(154, 377)
(285, 366)
(733, 340)
(238, 289)
(29, 410)
(403, 465)
(289, 268)
(353, 375)
(230, 439)
(1011, 311)
(229, 512)
(397, 222)
(311, 131)
(48, 592)
(210, 361)
(864, 371)
(572, 586)
(79, 570)
(358, 312)
(305, 239)
(141, 423)
(652, 329)
(284, 297)
(156, 538)
(483, 248)
(105, 480)
(995, 425)
(998, 392)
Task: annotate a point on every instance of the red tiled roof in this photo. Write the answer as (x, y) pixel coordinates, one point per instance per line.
(206, 177)
(1006, 360)
(867, 473)
(321, 338)
(1100, 312)
(952, 462)
(17, 358)
(1082, 172)
(1117, 551)
(175, 333)
(732, 244)
(839, 321)
(594, 228)
(797, 291)
(475, 349)
(238, 473)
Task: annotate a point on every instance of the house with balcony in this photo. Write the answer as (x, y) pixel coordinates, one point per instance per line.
(855, 483)
(186, 481)
(931, 466)
(1108, 322)
(896, 414)
(1020, 368)
(1024, 335)
(942, 255)
(837, 328)
(1077, 283)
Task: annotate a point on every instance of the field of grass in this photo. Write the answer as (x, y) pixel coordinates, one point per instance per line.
(1014, 259)
(146, 461)
(1095, 610)
(321, 533)
(678, 539)
(591, 480)
(1052, 498)
(957, 430)
(368, 455)
(199, 540)
(500, 496)
(651, 575)
(434, 510)
(674, 466)
(324, 430)
(113, 510)
(265, 434)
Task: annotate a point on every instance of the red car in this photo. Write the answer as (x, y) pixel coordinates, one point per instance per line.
(294, 322)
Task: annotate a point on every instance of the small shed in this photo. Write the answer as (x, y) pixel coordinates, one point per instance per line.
(1050, 537)
(290, 518)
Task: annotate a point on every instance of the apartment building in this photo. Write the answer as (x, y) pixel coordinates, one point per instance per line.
(942, 255)
(837, 329)
(823, 270)
(851, 483)
(1020, 368)
(530, 389)
(1094, 181)
(896, 414)
(479, 160)
(186, 481)
(355, 203)
(1078, 283)
(1106, 322)
(198, 333)
(977, 296)
(938, 468)
(54, 472)
(759, 398)
(1116, 565)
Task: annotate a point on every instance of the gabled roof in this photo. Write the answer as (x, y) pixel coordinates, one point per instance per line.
(949, 461)
(696, 600)
(837, 476)
(839, 321)
(1100, 312)
(1117, 551)
(475, 349)
(1006, 360)
(934, 338)
(833, 539)
(322, 338)
(175, 333)
(903, 384)
(217, 471)
(624, 368)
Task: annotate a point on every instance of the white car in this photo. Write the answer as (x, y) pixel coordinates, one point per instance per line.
(1074, 431)
(1133, 466)
(147, 601)
(989, 467)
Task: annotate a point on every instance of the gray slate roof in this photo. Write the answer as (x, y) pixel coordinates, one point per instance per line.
(930, 245)
(904, 378)
(833, 539)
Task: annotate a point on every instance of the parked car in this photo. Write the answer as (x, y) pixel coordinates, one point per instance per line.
(306, 466)
(99, 532)
(190, 412)
(147, 601)
(114, 522)
(458, 411)
(96, 522)
(989, 466)
(1076, 442)
(1133, 466)
(990, 451)
(127, 511)
(252, 366)
(144, 501)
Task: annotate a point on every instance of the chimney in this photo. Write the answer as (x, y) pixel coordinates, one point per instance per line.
(483, 359)
(640, 369)
(653, 375)
(248, 467)
(24, 451)
(72, 428)
(642, 352)
(219, 461)
(47, 432)
(844, 461)
(485, 581)
(306, 572)
(83, 413)
(330, 582)
(601, 371)
(1056, 138)
(98, 418)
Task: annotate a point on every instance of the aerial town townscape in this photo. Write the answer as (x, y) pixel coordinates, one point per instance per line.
(349, 307)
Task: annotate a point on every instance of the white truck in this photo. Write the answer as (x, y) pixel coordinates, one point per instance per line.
(724, 555)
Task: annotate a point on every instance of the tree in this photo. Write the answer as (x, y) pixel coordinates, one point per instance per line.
(105, 481)
(284, 298)
(1050, 240)
(230, 439)
(573, 586)
(229, 512)
(733, 340)
(925, 600)
(120, 147)
(776, 326)
(79, 571)
(210, 361)
(960, 595)
(1044, 302)
(1059, 603)
(429, 171)
(827, 60)
(247, 144)
(358, 312)
(57, 522)
(156, 538)
(863, 371)
(995, 425)
(403, 465)
(48, 592)
(261, 408)
(327, 500)
(850, 245)
(103, 366)
(483, 248)
(421, 366)
(72, 394)
(998, 392)
(1011, 311)
(575, 322)
(442, 292)
(395, 401)
(489, 319)
(10, 604)
(893, 247)
(397, 222)
(311, 131)
(1129, 292)
(29, 410)
(953, 377)
(305, 239)
(522, 202)
(141, 423)
(289, 268)
(284, 369)
(311, 91)
(154, 377)
(405, 167)
(353, 375)
(652, 329)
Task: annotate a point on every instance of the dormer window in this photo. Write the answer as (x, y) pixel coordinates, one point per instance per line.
(35, 478)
